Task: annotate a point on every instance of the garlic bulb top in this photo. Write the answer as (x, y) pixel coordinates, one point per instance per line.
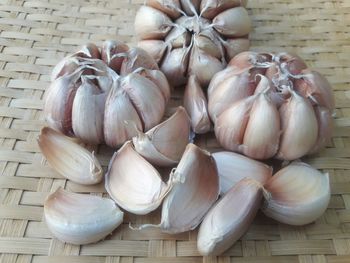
(270, 105)
(100, 96)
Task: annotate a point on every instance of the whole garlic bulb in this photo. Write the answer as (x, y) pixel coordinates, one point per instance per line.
(189, 37)
(271, 105)
(101, 95)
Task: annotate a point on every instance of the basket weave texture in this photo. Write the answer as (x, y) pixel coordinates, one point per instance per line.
(35, 35)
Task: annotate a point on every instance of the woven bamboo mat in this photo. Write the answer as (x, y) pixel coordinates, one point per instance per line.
(34, 35)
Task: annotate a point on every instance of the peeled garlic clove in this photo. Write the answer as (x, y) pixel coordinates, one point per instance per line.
(146, 97)
(158, 78)
(235, 46)
(88, 112)
(133, 183)
(68, 158)
(156, 48)
(233, 167)
(203, 66)
(325, 128)
(191, 7)
(110, 51)
(80, 219)
(234, 22)
(195, 192)
(120, 118)
(151, 23)
(175, 66)
(206, 45)
(137, 58)
(164, 144)
(297, 195)
(196, 105)
(231, 124)
(169, 7)
(261, 137)
(230, 218)
(299, 128)
(211, 8)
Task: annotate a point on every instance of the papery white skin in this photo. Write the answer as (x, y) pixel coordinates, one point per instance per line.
(156, 48)
(230, 218)
(211, 8)
(137, 58)
(169, 7)
(111, 49)
(79, 218)
(236, 46)
(297, 195)
(233, 167)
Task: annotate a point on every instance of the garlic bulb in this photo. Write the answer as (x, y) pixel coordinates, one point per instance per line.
(100, 97)
(133, 183)
(233, 167)
(80, 219)
(69, 158)
(196, 105)
(270, 105)
(297, 195)
(230, 218)
(164, 144)
(192, 37)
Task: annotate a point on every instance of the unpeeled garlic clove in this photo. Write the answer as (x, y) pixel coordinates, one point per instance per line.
(230, 218)
(235, 46)
(299, 128)
(234, 22)
(151, 23)
(164, 144)
(80, 219)
(206, 45)
(69, 158)
(196, 190)
(211, 8)
(156, 48)
(133, 183)
(191, 7)
(88, 112)
(110, 51)
(137, 58)
(233, 167)
(169, 7)
(297, 195)
(178, 37)
(90, 50)
(196, 105)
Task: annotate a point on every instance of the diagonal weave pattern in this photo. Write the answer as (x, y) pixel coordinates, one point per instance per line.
(34, 35)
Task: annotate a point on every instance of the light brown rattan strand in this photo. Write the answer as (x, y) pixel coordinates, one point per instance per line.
(34, 35)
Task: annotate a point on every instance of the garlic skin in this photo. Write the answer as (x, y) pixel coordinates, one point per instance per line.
(80, 219)
(135, 59)
(133, 183)
(297, 195)
(195, 191)
(195, 104)
(164, 144)
(169, 7)
(230, 218)
(69, 158)
(156, 48)
(211, 8)
(111, 54)
(233, 167)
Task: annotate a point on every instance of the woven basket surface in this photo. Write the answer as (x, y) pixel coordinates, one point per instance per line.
(35, 35)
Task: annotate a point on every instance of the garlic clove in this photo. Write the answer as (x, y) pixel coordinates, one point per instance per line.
(151, 23)
(178, 37)
(234, 22)
(146, 97)
(297, 195)
(293, 63)
(137, 58)
(325, 128)
(231, 124)
(206, 45)
(169, 7)
(69, 158)
(233, 167)
(230, 218)
(66, 66)
(164, 144)
(261, 137)
(133, 183)
(220, 78)
(89, 50)
(156, 48)
(175, 66)
(80, 219)
(120, 118)
(158, 78)
(235, 46)
(191, 7)
(88, 112)
(194, 193)
(299, 128)
(196, 105)
(249, 59)
(110, 51)
(211, 8)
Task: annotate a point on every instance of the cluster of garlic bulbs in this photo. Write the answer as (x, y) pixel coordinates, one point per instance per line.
(271, 105)
(105, 95)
